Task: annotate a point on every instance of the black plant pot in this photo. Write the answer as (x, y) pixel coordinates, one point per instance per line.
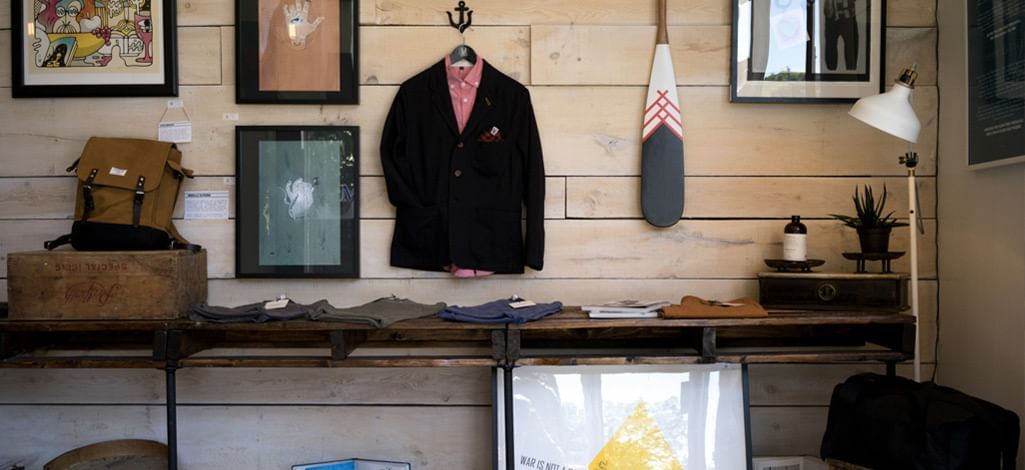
(874, 239)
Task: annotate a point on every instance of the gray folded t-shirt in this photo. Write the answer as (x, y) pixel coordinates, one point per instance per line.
(379, 313)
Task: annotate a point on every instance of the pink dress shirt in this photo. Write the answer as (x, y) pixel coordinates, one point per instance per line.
(462, 86)
(463, 83)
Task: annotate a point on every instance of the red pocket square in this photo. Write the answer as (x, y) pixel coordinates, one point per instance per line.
(488, 136)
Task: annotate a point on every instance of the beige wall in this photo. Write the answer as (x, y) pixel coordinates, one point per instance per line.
(586, 62)
(981, 248)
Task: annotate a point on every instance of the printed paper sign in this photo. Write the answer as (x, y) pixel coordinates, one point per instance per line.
(178, 132)
(206, 204)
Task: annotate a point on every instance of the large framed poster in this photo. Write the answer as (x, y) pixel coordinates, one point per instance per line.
(807, 51)
(75, 48)
(297, 201)
(673, 417)
(996, 82)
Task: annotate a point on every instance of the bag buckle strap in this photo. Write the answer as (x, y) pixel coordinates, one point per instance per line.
(87, 194)
(139, 196)
(61, 240)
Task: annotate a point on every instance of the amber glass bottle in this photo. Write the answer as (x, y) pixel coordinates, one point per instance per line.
(795, 240)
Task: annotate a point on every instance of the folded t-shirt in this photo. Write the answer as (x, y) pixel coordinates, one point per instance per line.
(252, 313)
(499, 311)
(378, 313)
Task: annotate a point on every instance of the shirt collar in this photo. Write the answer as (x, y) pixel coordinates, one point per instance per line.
(469, 75)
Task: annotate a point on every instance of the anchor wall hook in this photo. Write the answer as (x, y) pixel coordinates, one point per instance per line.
(464, 23)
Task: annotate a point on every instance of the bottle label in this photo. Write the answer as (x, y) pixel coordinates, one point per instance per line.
(795, 247)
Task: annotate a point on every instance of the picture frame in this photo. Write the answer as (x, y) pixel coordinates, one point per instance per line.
(297, 201)
(579, 416)
(995, 79)
(297, 51)
(777, 42)
(93, 48)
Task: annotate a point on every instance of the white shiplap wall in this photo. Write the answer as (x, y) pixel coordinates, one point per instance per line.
(749, 167)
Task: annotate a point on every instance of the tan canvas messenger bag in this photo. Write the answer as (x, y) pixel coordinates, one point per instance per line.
(127, 189)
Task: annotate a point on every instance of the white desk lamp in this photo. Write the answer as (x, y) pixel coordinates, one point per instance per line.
(891, 112)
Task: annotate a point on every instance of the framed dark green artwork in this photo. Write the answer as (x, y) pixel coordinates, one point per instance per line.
(297, 201)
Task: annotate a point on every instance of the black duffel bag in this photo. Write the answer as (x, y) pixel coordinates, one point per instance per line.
(887, 423)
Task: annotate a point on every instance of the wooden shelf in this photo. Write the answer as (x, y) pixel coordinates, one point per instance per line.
(568, 337)
(565, 338)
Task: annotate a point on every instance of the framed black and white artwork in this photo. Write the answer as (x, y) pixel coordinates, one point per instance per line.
(807, 50)
(297, 201)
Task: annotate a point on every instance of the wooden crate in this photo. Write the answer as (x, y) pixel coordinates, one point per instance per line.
(104, 285)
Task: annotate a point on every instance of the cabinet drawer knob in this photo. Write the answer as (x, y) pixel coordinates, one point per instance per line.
(827, 292)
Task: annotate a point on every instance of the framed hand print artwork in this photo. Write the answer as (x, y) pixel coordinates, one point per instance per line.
(297, 51)
(297, 201)
(75, 48)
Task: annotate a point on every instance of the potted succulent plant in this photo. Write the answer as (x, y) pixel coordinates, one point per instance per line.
(873, 227)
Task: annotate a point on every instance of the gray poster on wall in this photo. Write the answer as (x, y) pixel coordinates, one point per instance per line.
(996, 82)
(299, 215)
(297, 203)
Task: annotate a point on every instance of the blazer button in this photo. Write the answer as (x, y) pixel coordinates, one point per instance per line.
(459, 145)
(458, 173)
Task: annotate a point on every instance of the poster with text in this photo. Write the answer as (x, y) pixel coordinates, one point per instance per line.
(996, 82)
(689, 417)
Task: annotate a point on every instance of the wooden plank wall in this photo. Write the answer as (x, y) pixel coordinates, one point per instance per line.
(749, 167)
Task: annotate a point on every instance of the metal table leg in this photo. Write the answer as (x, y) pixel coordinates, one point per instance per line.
(172, 420)
(510, 454)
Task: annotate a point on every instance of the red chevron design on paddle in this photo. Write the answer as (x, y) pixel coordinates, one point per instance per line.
(662, 112)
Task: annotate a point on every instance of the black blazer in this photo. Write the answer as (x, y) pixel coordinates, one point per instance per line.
(460, 197)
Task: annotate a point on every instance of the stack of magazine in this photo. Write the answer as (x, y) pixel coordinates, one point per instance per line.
(626, 309)
(353, 464)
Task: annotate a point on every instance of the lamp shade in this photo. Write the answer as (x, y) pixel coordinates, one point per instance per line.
(890, 112)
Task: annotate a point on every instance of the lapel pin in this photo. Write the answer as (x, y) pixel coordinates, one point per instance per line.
(494, 131)
(487, 100)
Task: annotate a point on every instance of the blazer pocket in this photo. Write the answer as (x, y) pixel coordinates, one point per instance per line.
(492, 159)
(497, 236)
(416, 230)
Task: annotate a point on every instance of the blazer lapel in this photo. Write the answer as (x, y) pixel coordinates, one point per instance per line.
(441, 97)
(484, 102)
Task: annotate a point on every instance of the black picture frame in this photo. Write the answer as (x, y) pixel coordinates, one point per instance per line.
(279, 79)
(504, 384)
(93, 53)
(793, 32)
(297, 202)
(995, 69)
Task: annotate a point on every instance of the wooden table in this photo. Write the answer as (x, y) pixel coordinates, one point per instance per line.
(565, 338)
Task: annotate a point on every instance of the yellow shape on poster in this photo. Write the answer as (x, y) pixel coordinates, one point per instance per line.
(638, 443)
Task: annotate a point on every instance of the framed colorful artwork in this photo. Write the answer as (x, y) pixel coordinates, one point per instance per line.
(297, 51)
(807, 51)
(297, 201)
(67, 48)
(682, 416)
